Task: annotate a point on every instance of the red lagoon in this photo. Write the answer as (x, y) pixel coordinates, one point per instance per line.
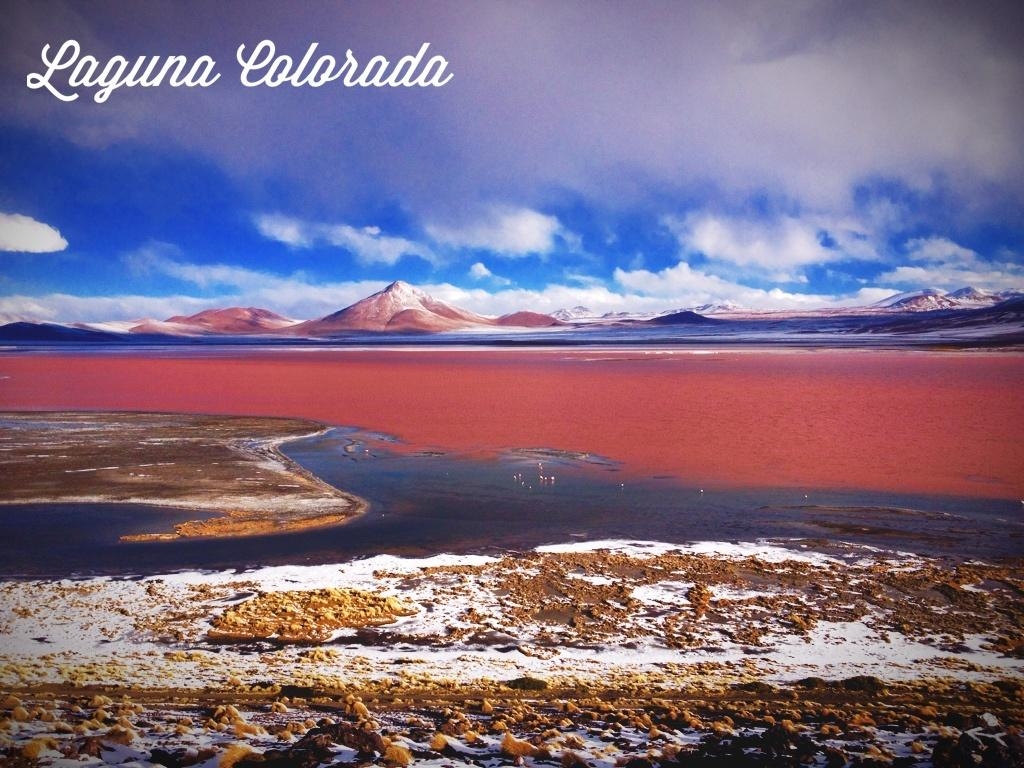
(911, 422)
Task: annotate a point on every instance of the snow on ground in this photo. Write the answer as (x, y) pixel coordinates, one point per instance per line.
(584, 610)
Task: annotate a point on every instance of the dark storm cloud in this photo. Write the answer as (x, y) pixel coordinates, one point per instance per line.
(605, 100)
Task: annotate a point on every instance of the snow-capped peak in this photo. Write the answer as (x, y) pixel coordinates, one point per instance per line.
(576, 313)
(968, 297)
(971, 295)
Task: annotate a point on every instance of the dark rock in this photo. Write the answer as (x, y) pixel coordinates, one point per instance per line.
(297, 691)
(866, 683)
(776, 740)
(528, 684)
(179, 758)
(756, 686)
(90, 746)
(308, 752)
(811, 683)
(955, 753)
(362, 741)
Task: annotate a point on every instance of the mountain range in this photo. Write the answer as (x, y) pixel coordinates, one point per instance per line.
(402, 308)
(923, 300)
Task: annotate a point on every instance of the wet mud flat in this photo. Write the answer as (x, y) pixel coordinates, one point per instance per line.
(228, 467)
(603, 653)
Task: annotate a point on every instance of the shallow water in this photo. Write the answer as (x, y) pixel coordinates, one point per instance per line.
(424, 503)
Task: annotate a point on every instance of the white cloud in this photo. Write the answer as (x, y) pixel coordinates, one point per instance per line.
(165, 259)
(283, 229)
(582, 279)
(992, 277)
(371, 247)
(775, 249)
(479, 271)
(938, 262)
(601, 299)
(505, 231)
(939, 250)
(548, 299)
(682, 285)
(64, 307)
(368, 244)
(293, 295)
(26, 235)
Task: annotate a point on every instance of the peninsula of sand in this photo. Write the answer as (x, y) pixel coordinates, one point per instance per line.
(227, 466)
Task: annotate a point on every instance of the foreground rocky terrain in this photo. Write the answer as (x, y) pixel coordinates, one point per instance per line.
(607, 653)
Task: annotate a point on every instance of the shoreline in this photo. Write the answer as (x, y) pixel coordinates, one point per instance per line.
(173, 461)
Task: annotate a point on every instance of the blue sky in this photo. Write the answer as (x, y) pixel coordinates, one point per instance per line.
(619, 156)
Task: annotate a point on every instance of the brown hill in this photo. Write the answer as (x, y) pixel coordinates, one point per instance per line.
(527, 319)
(232, 320)
(399, 307)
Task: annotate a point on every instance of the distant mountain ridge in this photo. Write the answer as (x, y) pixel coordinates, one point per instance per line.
(25, 331)
(403, 308)
(923, 300)
(686, 317)
(234, 320)
(929, 299)
(578, 312)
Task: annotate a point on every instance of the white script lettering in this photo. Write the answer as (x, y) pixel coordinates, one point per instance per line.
(264, 66)
(68, 70)
(118, 72)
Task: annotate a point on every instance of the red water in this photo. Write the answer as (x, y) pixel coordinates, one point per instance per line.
(896, 421)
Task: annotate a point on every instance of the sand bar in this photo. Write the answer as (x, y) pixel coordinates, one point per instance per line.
(228, 466)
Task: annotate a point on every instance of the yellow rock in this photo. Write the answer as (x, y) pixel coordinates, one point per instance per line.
(513, 747)
(233, 754)
(33, 749)
(120, 735)
(397, 755)
(438, 742)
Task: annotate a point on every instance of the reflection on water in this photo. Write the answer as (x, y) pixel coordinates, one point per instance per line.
(425, 502)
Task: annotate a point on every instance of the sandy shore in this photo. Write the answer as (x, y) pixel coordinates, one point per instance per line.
(907, 422)
(601, 654)
(228, 466)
